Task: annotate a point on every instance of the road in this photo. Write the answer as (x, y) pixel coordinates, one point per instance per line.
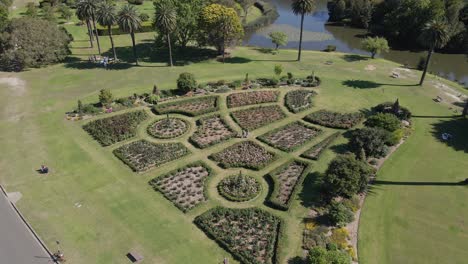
(17, 244)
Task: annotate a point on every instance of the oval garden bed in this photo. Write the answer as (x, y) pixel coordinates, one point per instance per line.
(168, 128)
(239, 188)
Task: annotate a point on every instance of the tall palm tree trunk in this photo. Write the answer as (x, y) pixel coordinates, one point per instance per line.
(300, 38)
(90, 33)
(428, 60)
(132, 34)
(170, 49)
(97, 37)
(109, 28)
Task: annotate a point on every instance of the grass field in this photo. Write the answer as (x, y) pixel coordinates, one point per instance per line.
(402, 221)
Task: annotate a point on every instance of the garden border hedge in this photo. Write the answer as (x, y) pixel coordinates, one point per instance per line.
(211, 174)
(151, 133)
(223, 120)
(264, 140)
(322, 144)
(208, 231)
(237, 199)
(273, 182)
(159, 111)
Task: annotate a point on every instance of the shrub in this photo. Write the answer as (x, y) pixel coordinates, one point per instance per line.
(135, 2)
(144, 17)
(370, 140)
(352, 203)
(393, 108)
(239, 188)
(105, 97)
(316, 237)
(186, 82)
(320, 255)
(278, 69)
(395, 137)
(346, 176)
(330, 48)
(339, 215)
(90, 109)
(153, 99)
(386, 121)
(108, 131)
(339, 237)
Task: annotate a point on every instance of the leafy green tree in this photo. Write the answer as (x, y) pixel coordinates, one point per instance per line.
(83, 15)
(222, 26)
(129, 21)
(278, 38)
(32, 42)
(320, 255)
(346, 176)
(31, 9)
(339, 215)
(87, 8)
(302, 8)
(337, 10)
(278, 69)
(3, 17)
(375, 45)
(361, 13)
(387, 121)
(65, 12)
(435, 36)
(186, 82)
(48, 12)
(105, 97)
(107, 17)
(165, 21)
(370, 141)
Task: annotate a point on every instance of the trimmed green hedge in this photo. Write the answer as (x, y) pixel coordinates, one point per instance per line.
(273, 180)
(317, 150)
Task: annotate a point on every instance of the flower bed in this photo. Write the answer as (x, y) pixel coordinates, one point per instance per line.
(110, 130)
(184, 187)
(210, 131)
(256, 117)
(285, 181)
(290, 137)
(251, 98)
(317, 150)
(246, 154)
(190, 107)
(143, 155)
(168, 128)
(334, 119)
(239, 188)
(250, 235)
(299, 100)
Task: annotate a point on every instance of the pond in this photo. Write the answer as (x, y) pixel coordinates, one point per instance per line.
(317, 35)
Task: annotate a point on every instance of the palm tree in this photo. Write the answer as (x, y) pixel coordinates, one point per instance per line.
(107, 17)
(129, 22)
(302, 7)
(83, 16)
(88, 8)
(165, 21)
(435, 35)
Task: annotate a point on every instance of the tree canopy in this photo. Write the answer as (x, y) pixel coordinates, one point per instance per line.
(375, 45)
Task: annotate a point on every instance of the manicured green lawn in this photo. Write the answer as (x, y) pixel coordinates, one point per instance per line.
(120, 211)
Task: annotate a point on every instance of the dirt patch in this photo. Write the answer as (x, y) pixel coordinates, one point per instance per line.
(403, 73)
(16, 85)
(449, 94)
(370, 67)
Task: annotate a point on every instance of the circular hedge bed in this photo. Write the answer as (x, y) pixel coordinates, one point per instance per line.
(168, 128)
(239, 188)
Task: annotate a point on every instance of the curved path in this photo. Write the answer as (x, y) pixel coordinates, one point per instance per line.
(17, 244)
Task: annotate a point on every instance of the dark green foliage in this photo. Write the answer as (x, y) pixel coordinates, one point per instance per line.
(110, 130)
(135, 2)
(320, 255)
(246, 154)
(144, 17)
(316, 237)
(339, 215)
(334, 119)
(42, 43)
(290, 137)
(346, 176)
(143, 155)
(299, 100)
(401, 112)
(250, 235)
(105, 97)
(370, 140)
(385, 121)
(191, 107)
(168, 128)
(184, 187)
(317, 150)
(239, 188)
(336, 10)
(285, 181)
(186, 82)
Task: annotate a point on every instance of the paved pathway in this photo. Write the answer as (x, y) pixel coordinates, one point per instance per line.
(17, 243)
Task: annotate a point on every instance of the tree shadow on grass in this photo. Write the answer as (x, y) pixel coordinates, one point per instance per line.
(460, 183)
(354, 57)
(236, 60)
(457, 127)
(77, 63)
(340, 149)
(310, 193)
(364, 84)
(296, 260)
